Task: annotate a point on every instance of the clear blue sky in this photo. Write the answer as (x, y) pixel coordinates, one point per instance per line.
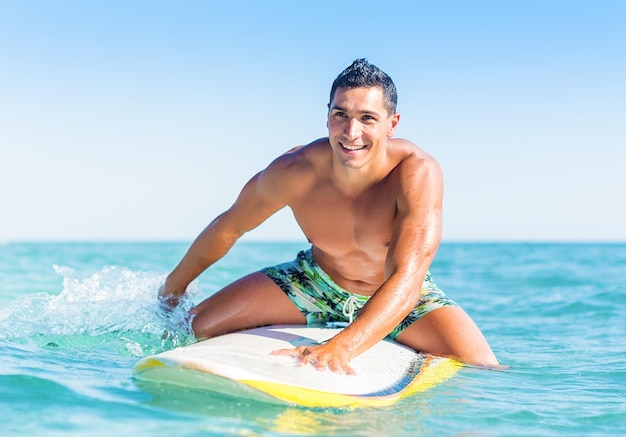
(141, 120)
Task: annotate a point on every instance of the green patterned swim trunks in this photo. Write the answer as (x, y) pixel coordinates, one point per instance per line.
(321, 300)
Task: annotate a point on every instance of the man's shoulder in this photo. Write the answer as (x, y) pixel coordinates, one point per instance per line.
(303, 157)
(417, 173)
(312, 150)
(411, 156)
(297, 169)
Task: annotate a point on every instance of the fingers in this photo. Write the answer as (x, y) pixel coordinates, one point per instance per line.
(343, 368)
(306, 355)
(286, 352)
(302, 354)
(168, 303)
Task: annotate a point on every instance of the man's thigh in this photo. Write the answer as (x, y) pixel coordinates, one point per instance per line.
(449, 331)
(254, 300)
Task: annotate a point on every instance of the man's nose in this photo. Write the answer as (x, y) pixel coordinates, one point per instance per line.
(353, 129)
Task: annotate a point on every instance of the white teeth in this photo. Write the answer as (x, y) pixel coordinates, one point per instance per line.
(345, 146)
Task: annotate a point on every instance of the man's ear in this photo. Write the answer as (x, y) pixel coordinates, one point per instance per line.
(395, 119)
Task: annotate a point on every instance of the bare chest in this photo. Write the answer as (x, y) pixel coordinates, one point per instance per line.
(341, 225)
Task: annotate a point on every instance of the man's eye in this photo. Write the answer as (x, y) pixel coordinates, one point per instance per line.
(340, 114)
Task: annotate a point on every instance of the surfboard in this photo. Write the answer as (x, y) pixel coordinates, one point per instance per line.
(241, 364)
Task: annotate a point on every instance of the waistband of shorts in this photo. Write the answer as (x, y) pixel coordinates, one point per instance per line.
(305, 257)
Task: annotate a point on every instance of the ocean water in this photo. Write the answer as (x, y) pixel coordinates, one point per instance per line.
(74, 319)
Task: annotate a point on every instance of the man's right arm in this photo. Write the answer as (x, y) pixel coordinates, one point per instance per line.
(266, 193)
(212, 244)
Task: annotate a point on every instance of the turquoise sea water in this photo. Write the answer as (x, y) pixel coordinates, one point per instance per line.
(74, 319)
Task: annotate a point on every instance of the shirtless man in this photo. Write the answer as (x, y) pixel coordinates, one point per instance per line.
(371, 207)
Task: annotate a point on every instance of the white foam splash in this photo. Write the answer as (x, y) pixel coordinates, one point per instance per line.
(115, 302)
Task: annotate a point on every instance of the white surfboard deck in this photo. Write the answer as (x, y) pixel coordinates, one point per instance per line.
(241, 364)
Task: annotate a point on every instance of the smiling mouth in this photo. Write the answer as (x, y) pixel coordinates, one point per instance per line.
(352, 148)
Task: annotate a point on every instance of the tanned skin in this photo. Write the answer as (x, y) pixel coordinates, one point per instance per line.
(371, 207)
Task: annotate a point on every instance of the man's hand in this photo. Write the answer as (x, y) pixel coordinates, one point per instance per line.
(321, 357)
(167, 301)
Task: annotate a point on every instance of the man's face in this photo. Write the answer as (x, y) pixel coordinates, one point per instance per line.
(359, 125)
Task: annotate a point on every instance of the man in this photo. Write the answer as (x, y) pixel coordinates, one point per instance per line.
(370, 206)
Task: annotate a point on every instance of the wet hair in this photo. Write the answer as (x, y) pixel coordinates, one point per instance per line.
(363, 74)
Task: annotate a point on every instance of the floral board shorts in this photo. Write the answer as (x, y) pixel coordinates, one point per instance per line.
(321, 300)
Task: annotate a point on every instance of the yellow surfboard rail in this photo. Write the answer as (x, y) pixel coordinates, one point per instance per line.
(433, 372)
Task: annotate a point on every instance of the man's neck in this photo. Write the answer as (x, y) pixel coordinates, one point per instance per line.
(354, 181)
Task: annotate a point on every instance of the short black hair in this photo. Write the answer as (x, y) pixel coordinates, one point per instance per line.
(363, 74)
